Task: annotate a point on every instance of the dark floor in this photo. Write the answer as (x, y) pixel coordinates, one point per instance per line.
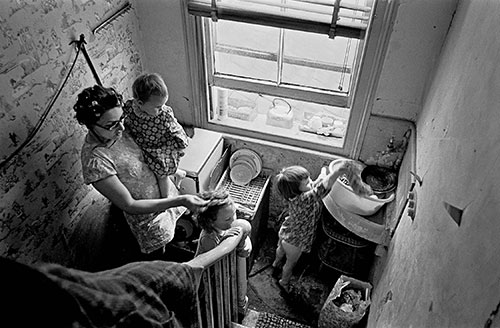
(310, 287)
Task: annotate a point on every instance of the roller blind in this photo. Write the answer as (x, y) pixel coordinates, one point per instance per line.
(332, 17)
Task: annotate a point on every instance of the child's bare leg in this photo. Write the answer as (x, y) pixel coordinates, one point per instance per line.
(163, 184)
(280, 253)
(292, 256)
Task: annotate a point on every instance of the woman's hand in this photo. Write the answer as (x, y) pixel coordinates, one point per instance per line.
(113, 189)
(194, 203)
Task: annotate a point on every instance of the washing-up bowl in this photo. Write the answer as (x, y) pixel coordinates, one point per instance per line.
(362, 215)
(346, 198)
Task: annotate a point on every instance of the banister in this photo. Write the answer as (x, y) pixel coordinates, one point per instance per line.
(224, 248)
(222, 283)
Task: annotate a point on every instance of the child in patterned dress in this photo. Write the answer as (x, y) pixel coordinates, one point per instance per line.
(303, 197)
(155, 129)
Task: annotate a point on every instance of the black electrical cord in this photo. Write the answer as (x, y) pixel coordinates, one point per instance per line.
(44, 115)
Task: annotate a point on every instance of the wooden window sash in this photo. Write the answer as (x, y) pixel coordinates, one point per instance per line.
(335, 18)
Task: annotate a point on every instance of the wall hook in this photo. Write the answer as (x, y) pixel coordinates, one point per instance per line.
(80, 44)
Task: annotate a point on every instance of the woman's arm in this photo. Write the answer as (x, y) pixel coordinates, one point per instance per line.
(113, 189)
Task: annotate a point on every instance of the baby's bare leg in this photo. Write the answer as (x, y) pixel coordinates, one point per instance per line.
(178, 176)
(163, 184)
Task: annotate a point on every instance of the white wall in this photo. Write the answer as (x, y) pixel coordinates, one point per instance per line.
(415, 43)
(416, 40)
(165, 49)
(439, 273)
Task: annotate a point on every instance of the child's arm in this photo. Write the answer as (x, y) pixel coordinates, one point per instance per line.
(340, 167)
(244, 248)
(355, 181)
(233, 231)
(353, 172)
(322, 175)
(175, 130)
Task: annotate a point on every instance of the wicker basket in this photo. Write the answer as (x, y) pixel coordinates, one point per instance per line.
(332, 315)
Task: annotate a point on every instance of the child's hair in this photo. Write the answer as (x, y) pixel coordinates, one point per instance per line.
(148, 85)
(208, 214)
(289, 179)
(93, 102)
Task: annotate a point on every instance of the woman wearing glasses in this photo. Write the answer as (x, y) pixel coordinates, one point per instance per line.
(113, 163)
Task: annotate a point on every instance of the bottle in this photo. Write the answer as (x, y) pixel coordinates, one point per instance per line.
(222, 103)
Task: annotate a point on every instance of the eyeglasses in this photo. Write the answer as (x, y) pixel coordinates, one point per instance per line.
(113, 124)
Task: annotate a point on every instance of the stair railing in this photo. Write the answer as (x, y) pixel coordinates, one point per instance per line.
(223, 278)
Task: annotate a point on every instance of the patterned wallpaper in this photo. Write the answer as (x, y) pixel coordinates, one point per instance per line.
(42, 195)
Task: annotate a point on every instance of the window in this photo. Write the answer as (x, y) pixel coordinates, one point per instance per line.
(267, 79)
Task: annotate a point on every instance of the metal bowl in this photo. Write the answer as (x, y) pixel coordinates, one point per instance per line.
(382, 180)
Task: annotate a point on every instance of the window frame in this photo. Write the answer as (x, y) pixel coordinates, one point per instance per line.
(326, 97)
(359, 102)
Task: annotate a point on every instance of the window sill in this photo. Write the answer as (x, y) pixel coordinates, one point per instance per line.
(292, 136)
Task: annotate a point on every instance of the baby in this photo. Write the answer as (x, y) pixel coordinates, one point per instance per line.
(155, 129)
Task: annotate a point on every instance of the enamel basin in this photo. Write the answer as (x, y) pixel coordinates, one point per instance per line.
(371, 228)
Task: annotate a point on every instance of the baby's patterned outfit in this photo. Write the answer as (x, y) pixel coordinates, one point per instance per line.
(161, 137)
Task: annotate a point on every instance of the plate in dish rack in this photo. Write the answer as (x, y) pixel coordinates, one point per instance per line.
(241, 174)
(244, 155)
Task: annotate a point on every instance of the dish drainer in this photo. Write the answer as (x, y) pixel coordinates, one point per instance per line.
(255, 197)
(248, 195)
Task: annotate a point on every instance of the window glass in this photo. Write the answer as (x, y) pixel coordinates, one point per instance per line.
(237, 47)
(317, 61)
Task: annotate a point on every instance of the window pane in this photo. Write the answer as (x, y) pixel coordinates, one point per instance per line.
(317, 61)
(245, 50)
